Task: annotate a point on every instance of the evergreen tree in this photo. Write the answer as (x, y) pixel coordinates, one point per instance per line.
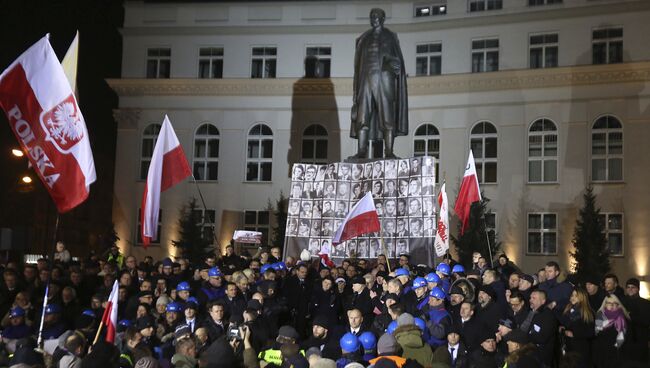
(474, 238)
(280, 211)
(109, 238)
(192, 241)
(591, 253)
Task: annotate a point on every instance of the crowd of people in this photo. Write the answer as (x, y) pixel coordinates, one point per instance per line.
(234, 311)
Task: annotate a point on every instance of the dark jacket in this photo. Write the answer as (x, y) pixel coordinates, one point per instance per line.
(325, 303)
(542, 332)
(490, 315)
(442, 355)
(582, 331)
(525, 357)
(558, 292)
(480, 358)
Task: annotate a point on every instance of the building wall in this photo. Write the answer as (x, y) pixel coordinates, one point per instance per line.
(573, 96)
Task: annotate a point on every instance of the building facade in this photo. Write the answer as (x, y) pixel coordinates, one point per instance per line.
(550, 95)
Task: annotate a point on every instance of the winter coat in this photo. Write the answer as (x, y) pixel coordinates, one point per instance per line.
(582, 331)
(480, 358)
(524, 357)
(557, 291)
(409, 337)
(325, 303)
(183, 361)
(489, 316)
(442, 355)
(542, 332)
(605, 353)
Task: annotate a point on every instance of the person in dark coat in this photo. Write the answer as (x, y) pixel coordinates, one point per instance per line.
(325, 301)
(517, 308)
(215, 323)
(362, 301)
(323, 338)
(543, 327)
(578, 326)
(557, 290)
(595, 291)
(297, 291)
(485, 355)
(469, 326)
(637, 347)
(454, 353)
(612, 323)
(233, 301)
(521, 353)
(488, 311)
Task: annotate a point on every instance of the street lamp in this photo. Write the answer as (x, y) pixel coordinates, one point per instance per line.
(26, 179)
(16, 152)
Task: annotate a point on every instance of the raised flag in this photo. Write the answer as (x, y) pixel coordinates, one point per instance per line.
(109, 319)
(44, 115)
(167, 168)
(469, 193)
(69, 63)
(441, 242)
(362, 219)
(325, 260)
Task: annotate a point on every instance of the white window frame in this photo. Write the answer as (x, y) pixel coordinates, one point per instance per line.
(481, 159)
(608, 42)
(259, 160)
(607, 231)
(210, 59)
(312, 159)
(426, 138)
(544, 47)
(320, 57)
(484, 52)
(487, 5)
(138, 229)
(607, 156)
(428, 55)
(205, 160)
(207, 226)
(542, 158)
(428, 10)
(257, 226)
(158, 59)
(145, 161)
(541, 231)
(265, 58)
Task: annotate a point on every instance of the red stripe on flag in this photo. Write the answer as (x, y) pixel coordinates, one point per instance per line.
(175, 168)
(363, 223)
(468, 194)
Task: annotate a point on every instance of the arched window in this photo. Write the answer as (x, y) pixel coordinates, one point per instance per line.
(149, 138)
(607, 149)
(542, 152)
(483, 142)
(314, 144)
(259, 159)
(206, 153)
(426, 142)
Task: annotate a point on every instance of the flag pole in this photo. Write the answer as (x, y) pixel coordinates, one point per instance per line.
(383, 246)
(487, 237)
(205, 209)
(40, 327)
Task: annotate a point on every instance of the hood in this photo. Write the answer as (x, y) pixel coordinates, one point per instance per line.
(409, 336)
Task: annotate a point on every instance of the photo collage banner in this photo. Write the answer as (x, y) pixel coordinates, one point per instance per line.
(321, 196)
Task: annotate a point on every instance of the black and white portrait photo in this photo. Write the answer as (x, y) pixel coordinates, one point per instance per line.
(429, 228)
(310, 172)
(388, 228)
(339, 250)
(402, 228)
(414, 187)
(314, 247)
(375, 248)
(308, 191)
(379, 207)
(296, 190)
(330, 173)
(328, 209)
(428, 166)
(415, 226)
(362, 248)
(325, 247)
(303, 228)
(390, 189)
(344, 172)
(415, 166)
(293, 209)
(402, 247)
(305, 208)
(403, 187)
(427, 186)
(378, 170)
(367, 171)
(352, 248)
(377, 189)
(320, 175)
(330, 189)
(403, 168)
(428, 209)
(316, 209)
(390, 207)
(315, 229)
(327, 228)
(292, 227)
(298, 172)
(357, 192)
(402, 209)
(390, 169)
(343, 190)
(341, 209)
(415, 207)
(357, 171)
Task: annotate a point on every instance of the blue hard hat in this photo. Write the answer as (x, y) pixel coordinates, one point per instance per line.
(419, 282)
(401, 272)
(437, 293)
(174, 307)
(266, 267)
(443, 268)
(391, 327)
(16, 312)
(89, 313)
(349, 342)
(125, 323)
(192, 302)
(279, 266)
(420, 323)
(214, 272)
(183, 286)
(52, 309)
(458, 269)
(432, 277)
(368, 340)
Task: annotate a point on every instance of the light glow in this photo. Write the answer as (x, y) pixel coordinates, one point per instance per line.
(26, 179)
(16, 152)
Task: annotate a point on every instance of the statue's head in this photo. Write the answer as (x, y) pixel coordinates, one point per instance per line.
(377, 17)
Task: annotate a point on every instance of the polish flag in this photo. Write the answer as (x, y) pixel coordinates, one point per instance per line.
(325, 260)
(361, 219)
(44, 115)
(109, 319)
(168, 167)
(441, 242)
(469, 193)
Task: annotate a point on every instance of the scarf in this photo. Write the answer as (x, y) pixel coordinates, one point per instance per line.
(617, 319)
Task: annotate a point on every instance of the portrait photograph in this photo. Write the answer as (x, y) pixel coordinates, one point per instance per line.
(316, 209)
(357, 192)
(329, 190)
(403, 168)
(390, 169)
(314, 247)
(339, 250)
(308, 191)
(379, 207)
(319, 189)
(298, 172)
(344, 172)
(305, 208)
(374, 249)
(378, 170)
(343, 190)
(310, 172)
(357, 171)
(341, 209)
(388, 228)
(352, 248)
(292, 226)
(315, 229)
(429, 227)
(390, 248)
(362, 248)
(304, 226)
(296, 190)
(415, 207)
(390, 207)
(367, 171)
(293, 209)
(325, 246)
(390, 188)
(428, 166)
(331, 172)
(402, 247)
(327, 228)
(403, 187)
(414, 187)
(428, 208)
(402, 209)
(427, 186)
(416, 169)
(415, 227)
(377, 189)
(366, 187)
(402, 227)
(320, 175)
(328, 209)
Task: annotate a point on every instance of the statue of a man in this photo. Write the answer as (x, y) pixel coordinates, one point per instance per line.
(380, 109)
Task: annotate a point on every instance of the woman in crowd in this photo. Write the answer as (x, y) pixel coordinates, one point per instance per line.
(611, 328)
(578, 326)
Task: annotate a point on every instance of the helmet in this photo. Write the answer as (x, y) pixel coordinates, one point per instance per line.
(420, 323)
(437, 293)
(89, 313)
(183, 286)
(443, 268)
(349, 342)
(279, 266)
(419, 282)
(391, 327)
(52, 309)
(192, 302)
(125, 323)
(214, 272)
(18, 312)
(432, 277)
(401, 272)
(368, 340)
(174, 307)
(266, 267)
(458, 269)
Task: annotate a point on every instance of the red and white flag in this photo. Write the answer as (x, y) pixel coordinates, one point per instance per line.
(362, 219)
(167, 168)
(109, 319)
(441, 242)
(469, 193)
(325, 260)
(44, 115)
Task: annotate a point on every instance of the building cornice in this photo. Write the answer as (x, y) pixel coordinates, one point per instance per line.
(418, 86)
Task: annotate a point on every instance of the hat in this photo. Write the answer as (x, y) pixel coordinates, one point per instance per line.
(192, 303)
(183, 286)
(486, 334)
(633, 281)
(167, 262)
(507, 322)
(489, 290)
(401, 272)
(473, 272)
(530, 278)
(454, 328)
(254, 304)
(385, 363)
(321, 320)
(456, 290)
(405, 319)
(145, 293)
(288, 331)
(314, 350)
(144, 322)
(52, 309)
(358, 280)
(386, 344)
(174, 307)
(88, 312)
(392, 296)
(592, 279)
(123, 325)
(16, 312)
(182, 330)
(214, 272)
(305, 256)
(382, 274)
(518, 336)
(340, 279)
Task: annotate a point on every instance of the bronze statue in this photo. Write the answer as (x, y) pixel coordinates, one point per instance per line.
(380, 109)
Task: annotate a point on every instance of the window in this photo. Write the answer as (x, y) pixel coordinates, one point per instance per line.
(428, 59)
(314, 144)
(543, 2)
(607, 149)
(257, 221)
(264, 62)
(317, 62)
(427, 143)
(542, 152)
(206, 153)
(485, 55)
(613, 229)
(542, 233)
(149, 138)
(543, 50)
(211, 62)
(427, 10)
(260, 153)
(607, 46)
(158, 62)
(483, 142)
(205, 219)
(481, 5)
(138, 230)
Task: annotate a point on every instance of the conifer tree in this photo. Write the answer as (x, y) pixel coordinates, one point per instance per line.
(591, 253)
(280, 212)
(192, 241)
(474, 239)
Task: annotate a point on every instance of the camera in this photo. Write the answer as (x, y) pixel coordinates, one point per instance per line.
(234, 333)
